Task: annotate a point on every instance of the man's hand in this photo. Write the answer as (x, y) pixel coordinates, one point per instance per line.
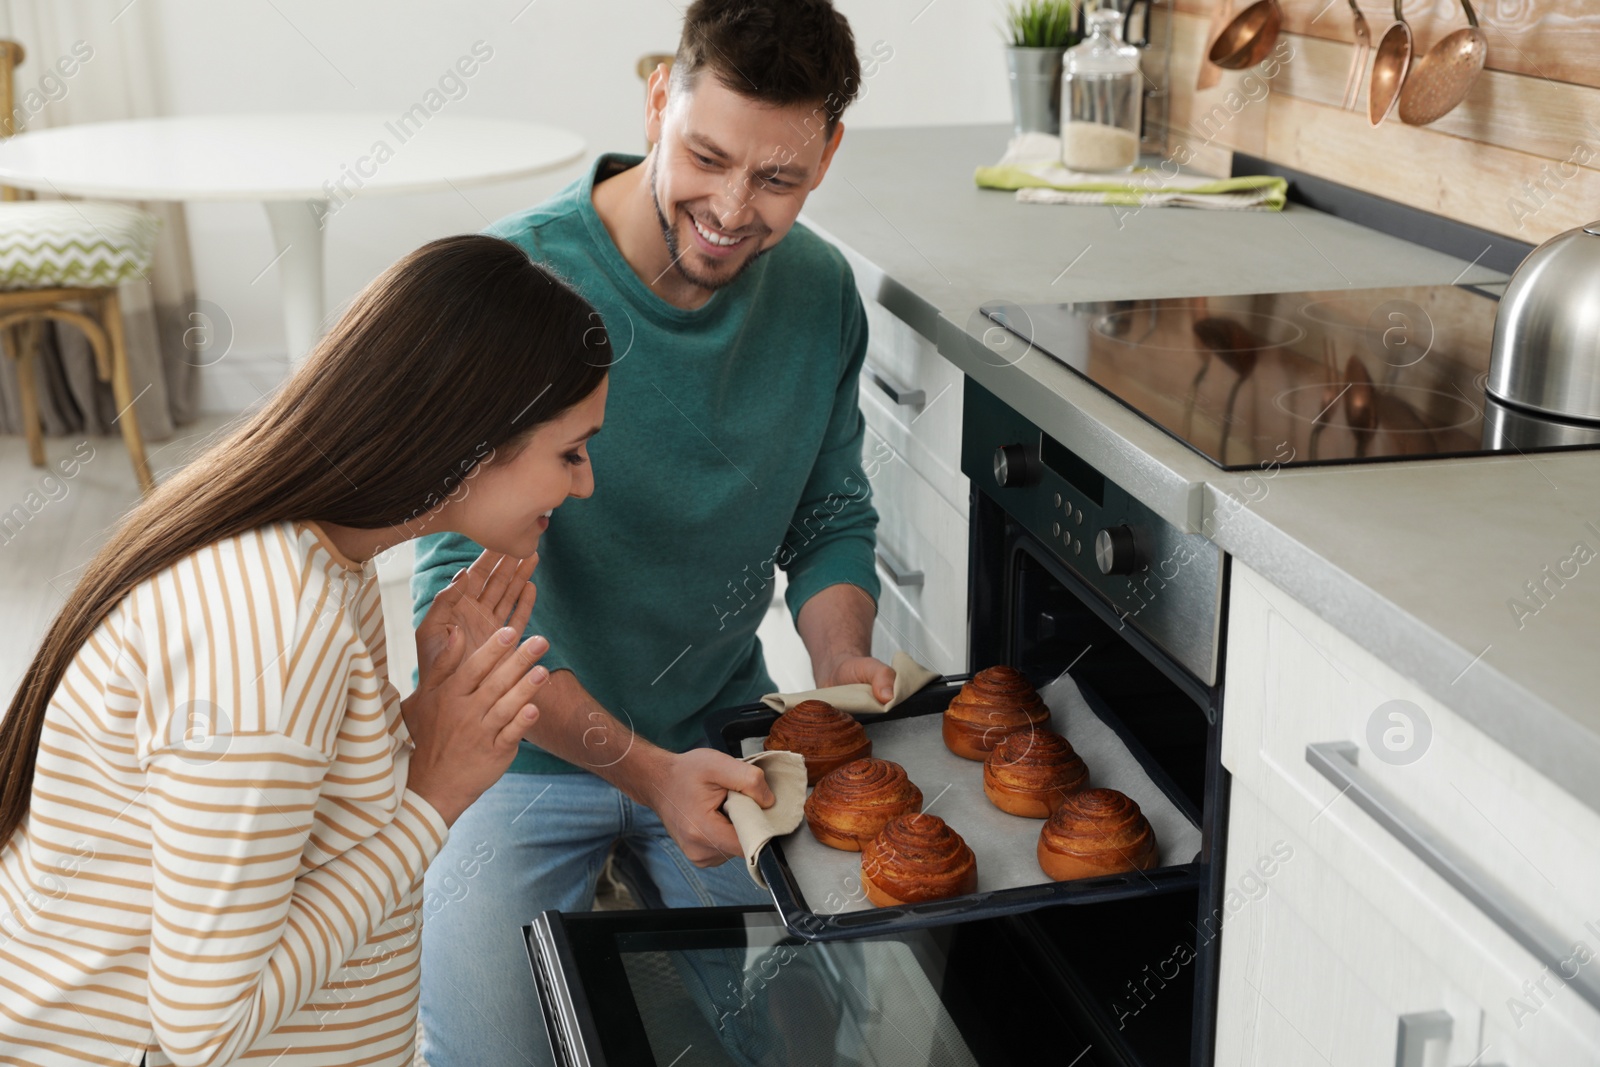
(494, 591)
(876, 673)
(836, 626)
(688, 792)
(685, 789)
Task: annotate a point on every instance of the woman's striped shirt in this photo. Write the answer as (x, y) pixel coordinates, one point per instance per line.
(221, 860)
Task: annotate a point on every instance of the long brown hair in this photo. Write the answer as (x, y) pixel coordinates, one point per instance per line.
(460, 349)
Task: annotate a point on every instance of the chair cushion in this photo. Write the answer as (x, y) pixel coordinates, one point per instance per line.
(49, 243)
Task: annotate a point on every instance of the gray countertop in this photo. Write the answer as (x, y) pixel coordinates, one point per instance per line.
(1414, 561)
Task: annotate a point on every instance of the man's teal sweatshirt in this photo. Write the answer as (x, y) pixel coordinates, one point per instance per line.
(732, 445)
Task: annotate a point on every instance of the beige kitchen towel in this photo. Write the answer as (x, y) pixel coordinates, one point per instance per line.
(909, 676)
(755, 825)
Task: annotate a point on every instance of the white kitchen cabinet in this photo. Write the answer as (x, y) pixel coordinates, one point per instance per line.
(911, 399)
(1356, 930)
(922, 564)
(1314, 972)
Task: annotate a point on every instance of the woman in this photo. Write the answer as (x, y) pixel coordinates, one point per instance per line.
(216, 811)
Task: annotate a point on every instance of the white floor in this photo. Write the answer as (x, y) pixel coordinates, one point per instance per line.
(60, 524)
(67, 520)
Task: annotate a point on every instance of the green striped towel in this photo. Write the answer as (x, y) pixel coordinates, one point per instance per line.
(1032, 166)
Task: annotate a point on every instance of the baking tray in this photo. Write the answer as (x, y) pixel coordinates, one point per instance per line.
(817, 889)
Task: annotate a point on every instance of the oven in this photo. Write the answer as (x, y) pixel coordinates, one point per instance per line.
(1068, 572)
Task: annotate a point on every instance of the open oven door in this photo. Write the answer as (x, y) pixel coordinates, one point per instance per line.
(730, 986)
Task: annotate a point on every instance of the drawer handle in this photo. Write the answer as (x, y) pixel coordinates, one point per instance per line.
(1337, 762)
(898, 572)
(893, 389)
(1416, 1030)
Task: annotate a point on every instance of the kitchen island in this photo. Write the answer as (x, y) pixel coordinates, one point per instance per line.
(1453, 593)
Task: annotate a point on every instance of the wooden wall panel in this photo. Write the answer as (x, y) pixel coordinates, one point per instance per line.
(1229, 116)
(1552, 39)
(1521, 156)
(1543, 118)
(1480, 184)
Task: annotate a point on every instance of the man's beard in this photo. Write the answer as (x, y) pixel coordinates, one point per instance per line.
(670, 234)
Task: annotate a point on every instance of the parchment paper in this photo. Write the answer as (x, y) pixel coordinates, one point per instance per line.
(952, 788)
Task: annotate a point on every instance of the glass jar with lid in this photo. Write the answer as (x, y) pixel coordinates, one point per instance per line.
(1102, 92)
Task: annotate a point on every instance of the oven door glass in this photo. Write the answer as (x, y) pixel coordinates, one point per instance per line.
(729, 986)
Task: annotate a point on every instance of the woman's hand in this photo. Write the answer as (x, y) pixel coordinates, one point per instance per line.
(468, 716)
(494, 591)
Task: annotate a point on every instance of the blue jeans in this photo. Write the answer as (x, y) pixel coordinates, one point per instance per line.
(531, 843)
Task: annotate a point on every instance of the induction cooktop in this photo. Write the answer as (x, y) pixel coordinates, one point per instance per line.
(1300, 379)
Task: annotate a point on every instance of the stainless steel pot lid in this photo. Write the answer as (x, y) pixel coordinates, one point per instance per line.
(1546, 352)
(1506, 426)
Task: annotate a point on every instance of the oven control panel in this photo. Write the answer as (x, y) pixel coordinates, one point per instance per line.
(1154, 577)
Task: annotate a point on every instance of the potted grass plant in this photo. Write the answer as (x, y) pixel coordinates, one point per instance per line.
(1038, 33)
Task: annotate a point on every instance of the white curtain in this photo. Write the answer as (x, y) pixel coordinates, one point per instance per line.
(119, 79)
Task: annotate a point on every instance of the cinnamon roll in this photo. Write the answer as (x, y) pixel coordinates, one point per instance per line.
(850, 805)
(1031, 772)
(1095, 832)
(820, 732)
(916, 858)
(996, 702)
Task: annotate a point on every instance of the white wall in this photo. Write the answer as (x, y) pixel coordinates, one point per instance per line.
(565, 62)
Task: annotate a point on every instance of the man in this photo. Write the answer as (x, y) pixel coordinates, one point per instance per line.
(732, 446)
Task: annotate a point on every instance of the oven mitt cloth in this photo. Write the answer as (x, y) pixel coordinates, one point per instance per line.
(909, 676)
(755, 825)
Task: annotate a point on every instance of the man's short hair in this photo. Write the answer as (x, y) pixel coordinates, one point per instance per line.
(779, 52)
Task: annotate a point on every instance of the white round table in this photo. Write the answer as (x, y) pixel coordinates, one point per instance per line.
(303, 168)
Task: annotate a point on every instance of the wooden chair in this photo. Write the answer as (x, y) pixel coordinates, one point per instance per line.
(648, 63)
(63, 261)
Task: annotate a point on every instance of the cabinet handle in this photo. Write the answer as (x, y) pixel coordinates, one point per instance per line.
(898, 572)
(1337, 762)
(893, 389)
(1416, 1030)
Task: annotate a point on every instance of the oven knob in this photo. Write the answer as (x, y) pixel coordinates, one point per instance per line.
(1115, 551)
(1011, 466)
